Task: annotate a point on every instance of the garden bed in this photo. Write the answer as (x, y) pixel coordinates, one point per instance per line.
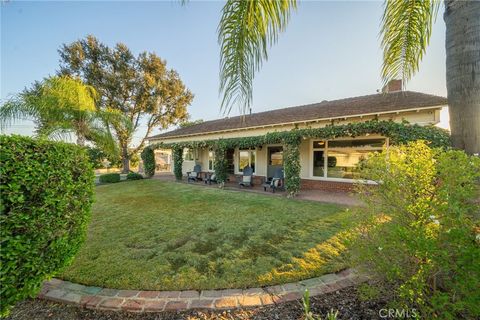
(349, 303)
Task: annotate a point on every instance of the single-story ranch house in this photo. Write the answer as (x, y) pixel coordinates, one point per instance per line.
(325, 164)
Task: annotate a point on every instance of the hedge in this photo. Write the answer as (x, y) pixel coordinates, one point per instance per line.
(46, 196)
(134, 176)
(110, 178)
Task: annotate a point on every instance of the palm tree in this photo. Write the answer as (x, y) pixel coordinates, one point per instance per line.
(248, 28)
(60, 106)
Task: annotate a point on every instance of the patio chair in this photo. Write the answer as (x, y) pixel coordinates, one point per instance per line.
(275, 182)
(247, 179)
(195, 174)
(211, 177)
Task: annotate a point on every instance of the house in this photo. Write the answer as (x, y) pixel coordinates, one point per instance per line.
(325, 164)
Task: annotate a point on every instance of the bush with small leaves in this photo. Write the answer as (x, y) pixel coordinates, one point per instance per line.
(46, 195)
(110, 178)
(134, 176)
(422, 242)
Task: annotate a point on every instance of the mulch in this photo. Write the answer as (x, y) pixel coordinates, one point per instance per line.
(346, 301)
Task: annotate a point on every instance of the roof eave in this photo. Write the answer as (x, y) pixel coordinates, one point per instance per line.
(297, 122)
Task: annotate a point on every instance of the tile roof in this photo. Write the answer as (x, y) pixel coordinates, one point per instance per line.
(369, 104)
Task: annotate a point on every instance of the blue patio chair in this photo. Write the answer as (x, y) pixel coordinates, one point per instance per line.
(275, 182)
(247, 179)
(195, 174)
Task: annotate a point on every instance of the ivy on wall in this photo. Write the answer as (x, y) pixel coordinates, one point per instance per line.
(220, 163)
(148, 157)
(177, 154)
(398, 133)
(291, 166)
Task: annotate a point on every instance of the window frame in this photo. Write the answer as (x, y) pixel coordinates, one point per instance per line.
(237, 158)
(187, 151)
(212, 158)
(325, 150)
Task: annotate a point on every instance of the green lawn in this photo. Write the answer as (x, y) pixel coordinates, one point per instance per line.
(156, 235)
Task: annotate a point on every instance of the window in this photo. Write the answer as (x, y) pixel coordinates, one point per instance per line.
(359, 143)
(230, 161)
(188, 154)
(344, 163)
(318, 163)
(211, 160)
(340, 158)
(275, 156)
(318, 158)
(246, 158)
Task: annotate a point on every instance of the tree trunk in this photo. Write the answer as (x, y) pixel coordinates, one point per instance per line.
(125, 160)
(462, 43)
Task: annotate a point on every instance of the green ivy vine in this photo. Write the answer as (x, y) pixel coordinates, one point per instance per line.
(220, 163)
(398, 133)
(148, 157)
(177, 155)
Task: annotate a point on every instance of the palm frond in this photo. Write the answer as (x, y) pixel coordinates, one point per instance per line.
(246, 30)
(104, 140)
(406, 30)
(17, 108)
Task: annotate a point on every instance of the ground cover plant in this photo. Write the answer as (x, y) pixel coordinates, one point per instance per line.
(157, 235)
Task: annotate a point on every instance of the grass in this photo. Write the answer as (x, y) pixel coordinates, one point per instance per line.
(156, 235)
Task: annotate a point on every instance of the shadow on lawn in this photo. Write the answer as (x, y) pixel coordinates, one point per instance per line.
(330, 255)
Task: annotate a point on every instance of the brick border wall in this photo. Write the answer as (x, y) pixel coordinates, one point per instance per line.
(156, 301)
(308, 184)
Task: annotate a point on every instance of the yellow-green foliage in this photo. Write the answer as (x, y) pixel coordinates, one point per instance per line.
(46, 194)
(428, 253)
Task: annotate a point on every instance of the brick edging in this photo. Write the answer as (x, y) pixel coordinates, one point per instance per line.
(156, 301)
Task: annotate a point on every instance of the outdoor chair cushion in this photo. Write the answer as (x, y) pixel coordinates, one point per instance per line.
(275, 183)
(247, 179)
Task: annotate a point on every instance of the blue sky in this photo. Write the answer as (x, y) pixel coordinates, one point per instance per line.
(330, 50)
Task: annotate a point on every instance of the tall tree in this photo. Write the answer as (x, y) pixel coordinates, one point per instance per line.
(139, 87)
(248, 28)
(59, 106)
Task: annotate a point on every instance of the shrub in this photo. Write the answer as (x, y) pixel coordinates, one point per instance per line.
(110, 178)
(46, 194)
(134, 176)
(422, 241)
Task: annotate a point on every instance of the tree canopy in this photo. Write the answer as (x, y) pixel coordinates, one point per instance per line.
(140, 87)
